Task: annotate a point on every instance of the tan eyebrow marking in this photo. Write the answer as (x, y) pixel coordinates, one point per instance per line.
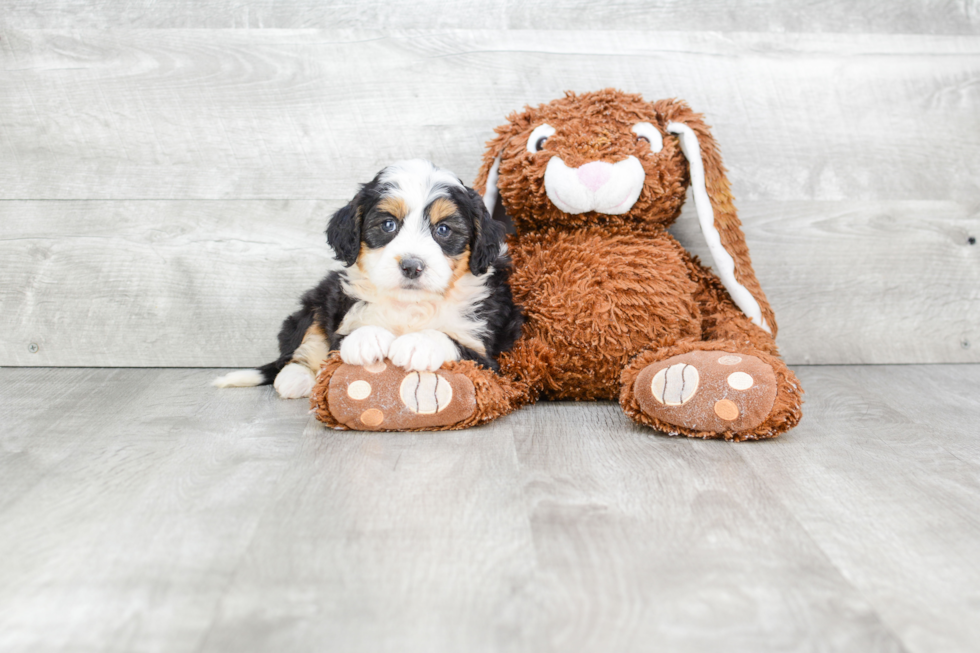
(395, 206)
(440, 210)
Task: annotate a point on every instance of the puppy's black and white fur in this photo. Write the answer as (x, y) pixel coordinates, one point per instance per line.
(424, 282)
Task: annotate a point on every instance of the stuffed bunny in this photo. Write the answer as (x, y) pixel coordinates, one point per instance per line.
(614, 307)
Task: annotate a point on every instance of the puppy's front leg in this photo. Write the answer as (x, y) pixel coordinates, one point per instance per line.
(423, 351)
(366, 345)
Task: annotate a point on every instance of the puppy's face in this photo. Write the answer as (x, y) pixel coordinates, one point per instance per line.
(415, 228)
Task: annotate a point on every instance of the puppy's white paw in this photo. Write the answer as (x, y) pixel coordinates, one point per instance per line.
(366, 345)
(294, 381)
(424, 351)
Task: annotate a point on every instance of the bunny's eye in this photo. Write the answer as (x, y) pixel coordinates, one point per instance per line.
(541, 133)
(646, 132)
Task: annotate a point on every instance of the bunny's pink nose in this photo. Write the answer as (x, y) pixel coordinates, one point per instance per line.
(594, 175)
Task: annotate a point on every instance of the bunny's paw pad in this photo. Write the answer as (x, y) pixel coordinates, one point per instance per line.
(708, 391)
(384, 397)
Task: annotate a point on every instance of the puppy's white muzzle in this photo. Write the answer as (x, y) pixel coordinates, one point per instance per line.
(610, 188)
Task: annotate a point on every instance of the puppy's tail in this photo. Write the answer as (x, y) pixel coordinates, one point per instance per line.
(249, 378)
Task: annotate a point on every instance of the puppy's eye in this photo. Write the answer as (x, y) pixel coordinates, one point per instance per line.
(388, 226)
(536, 141)
(443, 230)
(646, 132)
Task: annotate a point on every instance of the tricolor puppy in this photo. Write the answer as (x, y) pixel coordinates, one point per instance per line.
(424, 282)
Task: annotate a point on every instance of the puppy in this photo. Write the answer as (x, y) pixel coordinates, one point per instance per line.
(424, 282)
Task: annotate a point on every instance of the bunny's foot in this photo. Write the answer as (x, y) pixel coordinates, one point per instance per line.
(385, 397)
(713, 393)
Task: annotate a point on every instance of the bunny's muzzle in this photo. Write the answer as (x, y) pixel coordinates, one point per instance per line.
(610, 188)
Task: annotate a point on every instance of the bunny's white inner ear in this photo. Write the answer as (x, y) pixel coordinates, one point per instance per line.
(724, 263)
(491, 194)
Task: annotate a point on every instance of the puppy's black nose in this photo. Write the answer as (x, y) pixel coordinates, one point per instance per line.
(412, 267)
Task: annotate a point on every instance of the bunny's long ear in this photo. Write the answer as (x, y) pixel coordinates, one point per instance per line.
(716, 214)
(486, 179)
(491, 196)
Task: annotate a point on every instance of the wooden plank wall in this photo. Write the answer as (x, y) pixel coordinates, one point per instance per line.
(167, 170)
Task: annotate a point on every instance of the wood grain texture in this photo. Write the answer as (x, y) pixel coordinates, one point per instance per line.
(152, 283)
(905, 16)
(135, 497)
(681, 546)
(865, 282)
(389, 542)
(307, 114)
(145, 511)
(884, 475)
(155, 283)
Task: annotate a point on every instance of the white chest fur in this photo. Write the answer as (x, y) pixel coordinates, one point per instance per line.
(412, 311)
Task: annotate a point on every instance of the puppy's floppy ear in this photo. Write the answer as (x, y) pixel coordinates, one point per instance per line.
(488, 234)
(344, 232)
(716, 212)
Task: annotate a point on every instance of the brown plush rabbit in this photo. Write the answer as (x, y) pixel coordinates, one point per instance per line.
(615, 308)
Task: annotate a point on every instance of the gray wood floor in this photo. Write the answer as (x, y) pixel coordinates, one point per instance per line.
(145, 511)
